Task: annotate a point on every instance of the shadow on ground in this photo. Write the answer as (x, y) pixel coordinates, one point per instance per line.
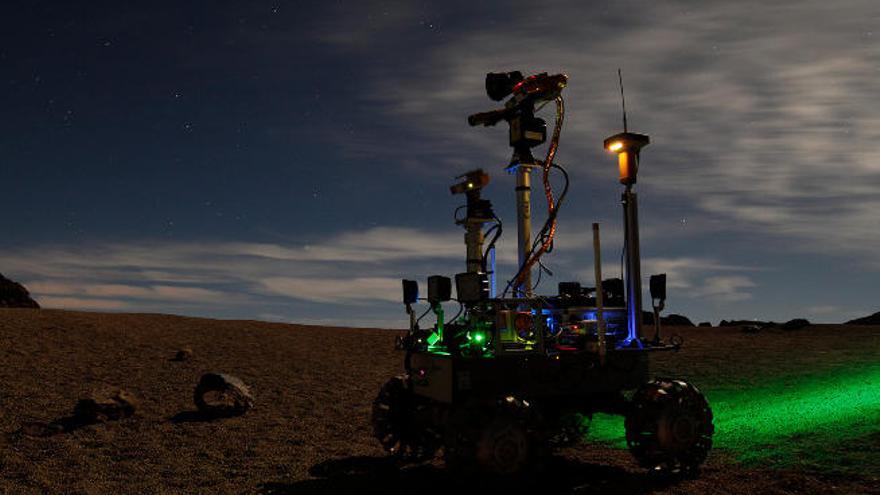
(193, 417)
(367, 475)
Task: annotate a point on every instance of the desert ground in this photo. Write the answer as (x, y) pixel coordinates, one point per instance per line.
(796, 411)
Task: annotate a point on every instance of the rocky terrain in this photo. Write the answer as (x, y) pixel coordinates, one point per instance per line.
(309, 432)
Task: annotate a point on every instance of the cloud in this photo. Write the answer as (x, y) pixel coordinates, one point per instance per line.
(360, 290)
(122, 291)
(81, 304)
(699, 278)
(727, 288)
(380, 244)
(823, 310)
(347, 273)
(759, 125)
(361, 267)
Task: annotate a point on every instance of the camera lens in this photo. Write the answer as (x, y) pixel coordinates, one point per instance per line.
(500, 84)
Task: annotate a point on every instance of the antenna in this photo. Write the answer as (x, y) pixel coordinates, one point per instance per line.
(622, 98)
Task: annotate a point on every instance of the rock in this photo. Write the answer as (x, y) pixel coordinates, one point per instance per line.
(672, 320)
(795, 324)
(751, 328)
(220, 395)
(676, 320)
(107, 404)
(705, 324)
(14, 295)
(184, 354)
(873, 319)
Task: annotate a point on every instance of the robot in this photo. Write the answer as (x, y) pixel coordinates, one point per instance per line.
(515, 375)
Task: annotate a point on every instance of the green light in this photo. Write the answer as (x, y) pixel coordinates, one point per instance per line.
(805, 420)
(433, 338)
(478, 337)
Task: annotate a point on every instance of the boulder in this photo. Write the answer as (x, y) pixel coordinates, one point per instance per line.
(705, 324)
(14, 295)
(108, 404)
(221, 395)
(795, 324)
(873, 319)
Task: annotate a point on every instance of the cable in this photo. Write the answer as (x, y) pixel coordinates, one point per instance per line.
(423, 315)
(460, 310)
(542, 235)
(455, 214)
(548, 232)
(498, 228)
(542, 269)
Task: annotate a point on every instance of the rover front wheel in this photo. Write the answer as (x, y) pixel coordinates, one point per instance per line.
(669, 426)
(497, 440)
(396, 419)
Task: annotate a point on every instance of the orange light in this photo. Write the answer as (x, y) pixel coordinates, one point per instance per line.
(615, 146)
(628, 167)
(623, 165)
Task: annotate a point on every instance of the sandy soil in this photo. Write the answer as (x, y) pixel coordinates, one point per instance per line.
(309, 432)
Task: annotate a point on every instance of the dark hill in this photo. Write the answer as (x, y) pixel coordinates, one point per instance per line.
(671, 320)
(874, 319)
(14, 295)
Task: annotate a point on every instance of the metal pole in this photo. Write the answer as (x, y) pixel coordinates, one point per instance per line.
(600, 318)
(633, 266)
(473, 238)
(524, 225)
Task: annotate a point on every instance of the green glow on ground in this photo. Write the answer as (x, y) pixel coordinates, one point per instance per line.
(810, 420)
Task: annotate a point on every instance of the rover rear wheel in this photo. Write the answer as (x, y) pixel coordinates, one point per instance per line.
(397, 424)
(495, 440)
(669, 427)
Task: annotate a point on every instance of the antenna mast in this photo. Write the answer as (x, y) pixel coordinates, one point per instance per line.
(622, 98)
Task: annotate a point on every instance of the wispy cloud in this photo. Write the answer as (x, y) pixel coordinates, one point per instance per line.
(768, 128)
(704, 278)
(357, 289)
(727, 288)
(351, 268)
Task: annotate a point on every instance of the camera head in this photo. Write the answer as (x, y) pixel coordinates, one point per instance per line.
(500, 84)
(473, 181)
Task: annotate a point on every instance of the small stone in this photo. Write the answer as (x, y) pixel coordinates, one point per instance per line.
(108, 404)
(184, 354)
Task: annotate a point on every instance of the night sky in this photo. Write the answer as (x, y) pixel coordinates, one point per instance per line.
(291, 160)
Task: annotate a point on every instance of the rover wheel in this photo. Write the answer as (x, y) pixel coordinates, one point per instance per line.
(396, 424)
(492, 440)
(669, 426)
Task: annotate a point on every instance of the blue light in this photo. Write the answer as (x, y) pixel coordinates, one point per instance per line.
(552, 327)
(492, 288)
(632, 326)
